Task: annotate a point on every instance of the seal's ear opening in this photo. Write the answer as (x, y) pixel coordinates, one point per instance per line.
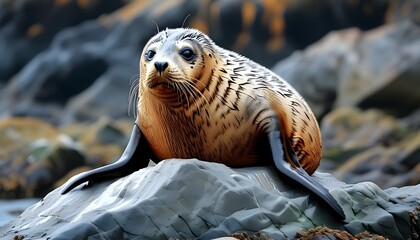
(135, 156)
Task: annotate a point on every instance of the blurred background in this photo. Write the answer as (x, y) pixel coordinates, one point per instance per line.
(66, 68)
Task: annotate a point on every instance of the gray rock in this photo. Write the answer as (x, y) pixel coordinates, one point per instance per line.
(371, 146)
(28, 26)
(385, 73)
(404, 9)
(395, 165)
(316, 71)
(195, 199)
(348, 131)
(372, 69)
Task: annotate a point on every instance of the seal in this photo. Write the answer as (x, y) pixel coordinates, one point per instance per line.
(198, 100)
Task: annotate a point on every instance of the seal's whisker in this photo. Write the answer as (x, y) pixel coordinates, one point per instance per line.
(196, 103)
(134, 78)
(183, 23)
(134, 82)
(193, 87)
(184, 93)
(157, 26)
(193, 95)
(172, 82)
(175, 78)
(131, 103)
(133, 95)
(198, 81)
(190, 82)
(179, 93)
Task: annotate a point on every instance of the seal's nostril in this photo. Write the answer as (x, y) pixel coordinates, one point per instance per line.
(161, 66)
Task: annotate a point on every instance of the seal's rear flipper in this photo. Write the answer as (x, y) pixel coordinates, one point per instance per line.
(135, 156)
(298, 174)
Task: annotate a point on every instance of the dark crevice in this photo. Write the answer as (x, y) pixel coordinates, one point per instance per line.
(65, 83)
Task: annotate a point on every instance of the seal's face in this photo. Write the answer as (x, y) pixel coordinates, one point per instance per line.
(173, 64)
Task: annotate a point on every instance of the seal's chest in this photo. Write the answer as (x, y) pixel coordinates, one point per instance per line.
(229, 139)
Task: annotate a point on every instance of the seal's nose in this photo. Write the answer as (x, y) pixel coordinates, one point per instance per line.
(161, 66)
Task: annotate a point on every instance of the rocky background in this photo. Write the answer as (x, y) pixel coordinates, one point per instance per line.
(66, 68)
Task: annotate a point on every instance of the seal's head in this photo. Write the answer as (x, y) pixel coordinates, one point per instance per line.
(173, 64)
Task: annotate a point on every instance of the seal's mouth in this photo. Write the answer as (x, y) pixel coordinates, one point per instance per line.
(160, 85)
(163, 90)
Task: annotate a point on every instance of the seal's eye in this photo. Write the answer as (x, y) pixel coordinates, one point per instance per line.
(187, 54)
(150, 54)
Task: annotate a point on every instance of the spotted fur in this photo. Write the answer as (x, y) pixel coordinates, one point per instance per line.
(219, 106)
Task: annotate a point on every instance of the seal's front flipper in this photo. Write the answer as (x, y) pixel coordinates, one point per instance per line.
(297, 173)
(135, 156)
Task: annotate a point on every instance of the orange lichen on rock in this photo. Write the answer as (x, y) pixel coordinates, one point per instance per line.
(205, 12)
(131, 10)
(34, 30)
(242, 39)
(83, 3)
(249, 11)
(17, 132)
(273, 18)
(277, 30)
(199, 24)
(61, 3)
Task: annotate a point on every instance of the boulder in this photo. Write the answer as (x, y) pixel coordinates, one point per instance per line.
(396, 165)
(192, 199)
(348, 131)
(385, 70)
(371, 146)
(28, 26)
(316, 71)
(33, 156)
(350, 68)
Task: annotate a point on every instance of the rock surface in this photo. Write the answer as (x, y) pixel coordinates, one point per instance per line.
(348, 131)
(371, 146)
(201, 200)
(28, 26)
(35, 155)
(352, 68)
